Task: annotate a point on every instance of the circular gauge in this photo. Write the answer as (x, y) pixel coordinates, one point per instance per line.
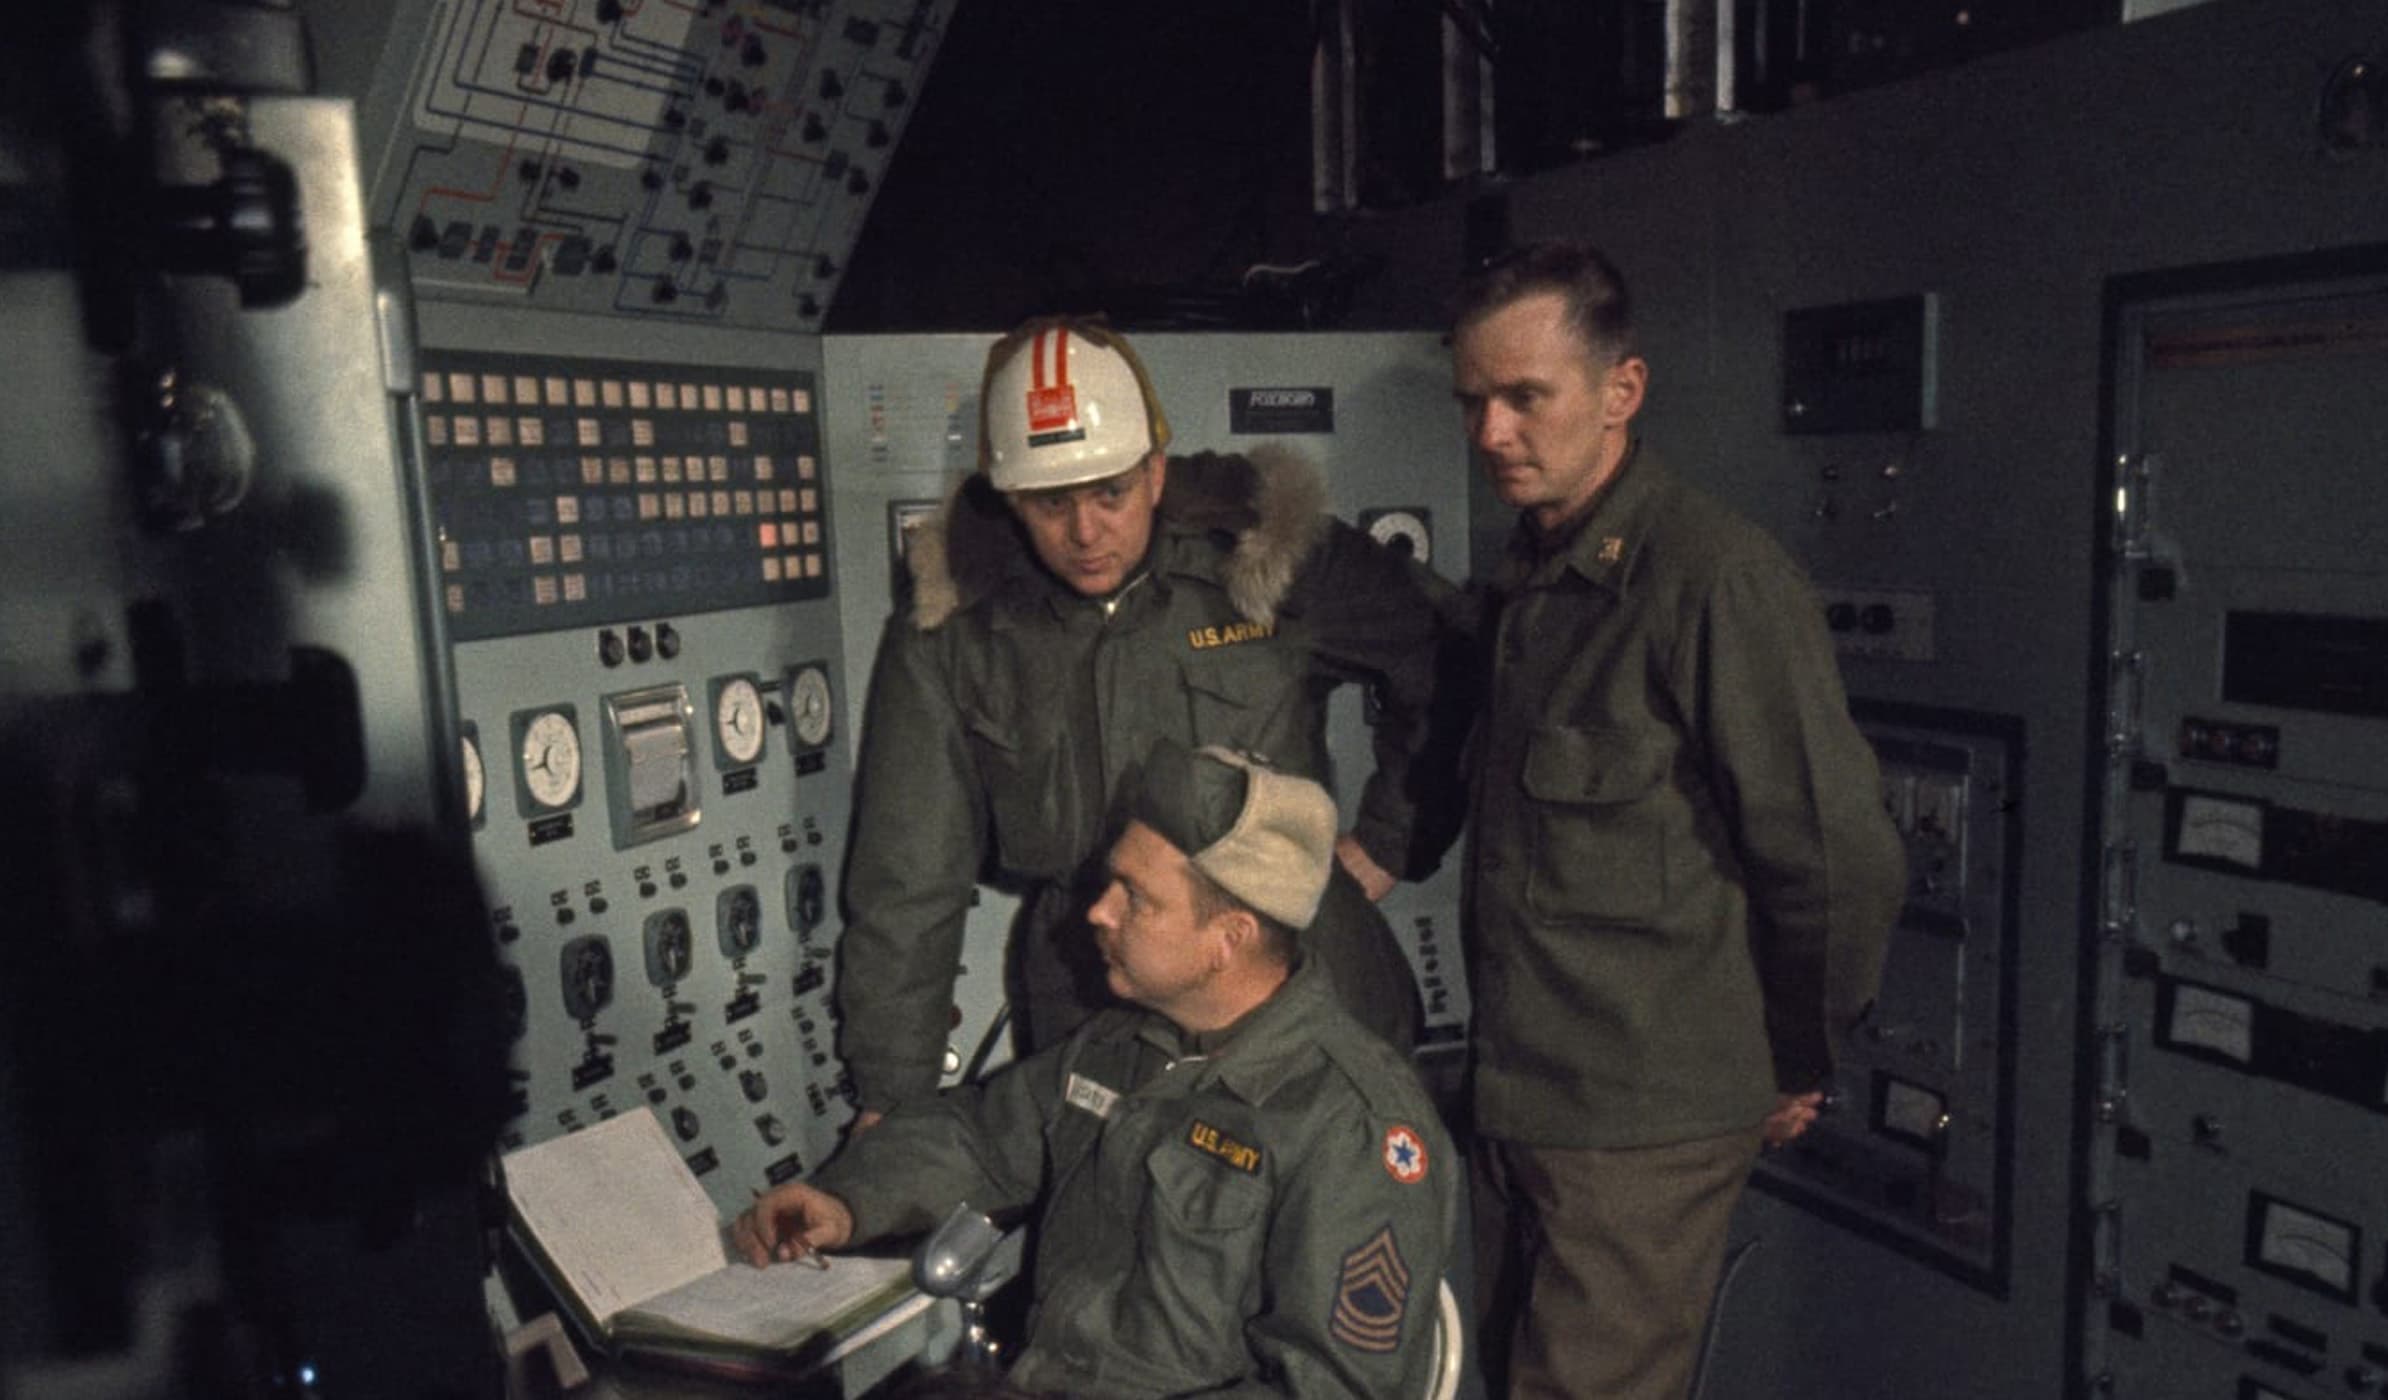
(2223, 829)
(808, 706)
(551, 759)
(738, 720)
(476, 781)
(1403, 532)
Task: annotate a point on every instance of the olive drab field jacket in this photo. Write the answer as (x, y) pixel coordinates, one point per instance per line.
(1681, 876)
(1005, 711)
(1270, 1215)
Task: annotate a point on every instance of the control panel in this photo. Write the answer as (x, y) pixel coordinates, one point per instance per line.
(1914, 1145)
(636, 572)
(2234, 1221)
(569, 493)
(650, 160)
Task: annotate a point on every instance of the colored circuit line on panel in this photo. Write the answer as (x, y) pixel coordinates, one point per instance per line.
(697, 161)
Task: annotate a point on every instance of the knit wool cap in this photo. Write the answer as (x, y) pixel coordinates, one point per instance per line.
(1265, 837)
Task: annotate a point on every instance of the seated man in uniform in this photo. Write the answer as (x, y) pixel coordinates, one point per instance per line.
(1240, 1187)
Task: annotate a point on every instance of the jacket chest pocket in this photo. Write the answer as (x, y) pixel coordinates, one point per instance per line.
(1205, 1228)
(1246, 697)
(1019, 775)
(1596, 826)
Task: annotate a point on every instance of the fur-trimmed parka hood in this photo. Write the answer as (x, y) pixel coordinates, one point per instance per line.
(1267, 509)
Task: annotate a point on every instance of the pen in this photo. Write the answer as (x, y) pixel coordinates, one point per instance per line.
(812, 1257)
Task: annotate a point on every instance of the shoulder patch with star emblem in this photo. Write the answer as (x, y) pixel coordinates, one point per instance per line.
(1405, 1154)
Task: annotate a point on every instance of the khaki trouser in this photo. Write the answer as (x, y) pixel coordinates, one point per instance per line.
(1594, 1266)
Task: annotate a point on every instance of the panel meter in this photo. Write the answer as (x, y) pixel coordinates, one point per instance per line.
(2207, 1022)
(476, 775)
(1406, 530)
(547, 759)
(649, 763)
(2220, 831)
(738, 722)
(809, 706)
(2304, 1247)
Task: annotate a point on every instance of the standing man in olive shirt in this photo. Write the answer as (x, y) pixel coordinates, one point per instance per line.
(1680, 878)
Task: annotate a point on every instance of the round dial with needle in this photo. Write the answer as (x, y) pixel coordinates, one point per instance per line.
(476, 780)
(2305, 1246)
(2223, 829)
(738, 720)
(1403, 532)
(551, 759)
(808, 706)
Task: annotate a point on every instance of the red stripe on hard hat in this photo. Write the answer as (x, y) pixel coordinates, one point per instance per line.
(1036, 361)
(1061, 356)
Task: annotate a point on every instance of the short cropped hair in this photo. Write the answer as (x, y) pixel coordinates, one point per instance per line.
(1597, 305)
(1211, 899)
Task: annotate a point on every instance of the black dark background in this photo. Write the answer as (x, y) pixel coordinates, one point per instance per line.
(1138, 156)
(1090, 155)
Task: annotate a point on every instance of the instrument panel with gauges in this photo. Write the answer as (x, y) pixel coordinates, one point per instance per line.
(634, 567)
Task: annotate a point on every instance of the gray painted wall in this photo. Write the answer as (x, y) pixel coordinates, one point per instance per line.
(2014, 188)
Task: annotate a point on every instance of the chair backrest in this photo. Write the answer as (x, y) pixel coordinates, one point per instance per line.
(1450, 1341)
(1734, 1260)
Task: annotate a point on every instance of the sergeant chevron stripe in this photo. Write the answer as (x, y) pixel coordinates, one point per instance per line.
(1374, 1295)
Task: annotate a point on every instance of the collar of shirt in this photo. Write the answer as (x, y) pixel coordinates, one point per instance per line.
(1176, 551)
(1599, 547)
(1252, 1056)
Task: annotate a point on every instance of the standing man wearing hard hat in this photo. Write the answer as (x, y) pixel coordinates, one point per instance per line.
(1079, 598)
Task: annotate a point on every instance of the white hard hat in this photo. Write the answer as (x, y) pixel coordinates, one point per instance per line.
(1064, 402)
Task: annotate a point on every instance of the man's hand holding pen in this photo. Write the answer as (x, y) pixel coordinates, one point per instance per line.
(792, 1223)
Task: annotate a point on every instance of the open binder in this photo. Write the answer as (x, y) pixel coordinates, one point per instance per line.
(628, 1240)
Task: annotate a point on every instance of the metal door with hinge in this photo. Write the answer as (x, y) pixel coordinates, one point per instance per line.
(2234, 1210)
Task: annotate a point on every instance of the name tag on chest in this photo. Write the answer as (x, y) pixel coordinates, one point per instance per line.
(1083, 1093)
